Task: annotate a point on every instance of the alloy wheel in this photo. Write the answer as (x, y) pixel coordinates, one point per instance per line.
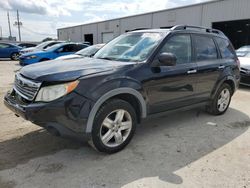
(223, 100)
(116, 128)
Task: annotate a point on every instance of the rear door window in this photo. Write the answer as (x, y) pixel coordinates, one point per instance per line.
(78, 47)
(70, 48)
(205, 48)
(226, 49)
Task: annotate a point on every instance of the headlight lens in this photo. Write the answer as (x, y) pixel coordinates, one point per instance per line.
(31, 57)
(50, 93)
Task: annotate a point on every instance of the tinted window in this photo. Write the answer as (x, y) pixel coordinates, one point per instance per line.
(4, 45)
(180, 46)
(225, 47)
(78, 47)
(205, 48)
(70, 48)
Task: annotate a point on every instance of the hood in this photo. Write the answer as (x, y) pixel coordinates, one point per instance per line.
(36, 53)
(245, 62)
(69, 69)
(69, 56)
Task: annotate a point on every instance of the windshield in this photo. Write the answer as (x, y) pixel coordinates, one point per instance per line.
(53, 47)
(243, 51)
(130, 47)
(40, 46)
(89, 51)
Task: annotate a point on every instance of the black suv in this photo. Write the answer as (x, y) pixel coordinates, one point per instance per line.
(136, 75)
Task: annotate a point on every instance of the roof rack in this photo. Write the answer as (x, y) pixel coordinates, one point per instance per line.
(137, 29)
(208, 30)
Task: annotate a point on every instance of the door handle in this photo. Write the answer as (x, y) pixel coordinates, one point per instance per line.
(192, 71)
(221, 67)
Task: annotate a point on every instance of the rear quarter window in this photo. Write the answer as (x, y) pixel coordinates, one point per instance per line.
(226, 49)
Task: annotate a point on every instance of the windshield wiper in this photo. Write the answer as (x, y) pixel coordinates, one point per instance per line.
(106, 58)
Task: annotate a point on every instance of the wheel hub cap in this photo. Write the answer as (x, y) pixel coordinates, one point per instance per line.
(223, 100)
(116, 128)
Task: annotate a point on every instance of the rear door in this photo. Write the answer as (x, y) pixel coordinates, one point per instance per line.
(170, 87)
(209, 65)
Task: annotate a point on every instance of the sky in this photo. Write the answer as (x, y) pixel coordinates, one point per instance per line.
(41, 18)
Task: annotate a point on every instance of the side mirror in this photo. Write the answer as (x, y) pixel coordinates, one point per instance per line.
(167, 59)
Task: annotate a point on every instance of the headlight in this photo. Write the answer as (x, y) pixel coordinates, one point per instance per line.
(31, 57)
(50, 93)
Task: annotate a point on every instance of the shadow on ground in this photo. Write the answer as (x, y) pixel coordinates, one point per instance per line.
(35, 144)
(161, 146)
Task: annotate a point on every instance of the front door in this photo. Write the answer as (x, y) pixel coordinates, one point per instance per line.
(5, 50)
(172, 87)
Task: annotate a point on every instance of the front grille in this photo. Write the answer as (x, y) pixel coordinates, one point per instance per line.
(245, 71)
(26, 88)
(245, 79)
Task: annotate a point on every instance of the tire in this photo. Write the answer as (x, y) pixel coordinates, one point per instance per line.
(120, 126)
(14, 56)
(217, 106)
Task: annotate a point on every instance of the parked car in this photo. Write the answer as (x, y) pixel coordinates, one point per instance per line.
(40, 47)
(50, 53)
(243, 54)
(86, 52)
(136, 75)
(8, 50)
(26, 45)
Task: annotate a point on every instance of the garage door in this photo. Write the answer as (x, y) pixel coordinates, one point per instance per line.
(238, 31)
(106, 37)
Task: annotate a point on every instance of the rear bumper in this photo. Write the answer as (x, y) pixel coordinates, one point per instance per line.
(66, 117)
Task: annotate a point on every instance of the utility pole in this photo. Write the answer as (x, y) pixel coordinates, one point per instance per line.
(1, 32)
(18, 24)
(9, 24)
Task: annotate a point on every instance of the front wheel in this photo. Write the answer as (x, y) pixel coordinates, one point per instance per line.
(14, 56)
(114, 126)
(221, 101)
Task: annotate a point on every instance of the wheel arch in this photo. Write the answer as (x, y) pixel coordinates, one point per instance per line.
(122, 93)
(229, 80)
(12, 53)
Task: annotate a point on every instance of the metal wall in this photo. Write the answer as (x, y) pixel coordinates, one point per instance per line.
(200, 14)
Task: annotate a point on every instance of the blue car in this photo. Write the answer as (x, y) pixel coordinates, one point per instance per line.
(50, 53)
(9, 51)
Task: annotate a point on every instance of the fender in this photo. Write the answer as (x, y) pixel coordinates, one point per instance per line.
(218, 85)
(108, 95)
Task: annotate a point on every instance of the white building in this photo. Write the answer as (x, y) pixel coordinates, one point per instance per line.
(230, 16)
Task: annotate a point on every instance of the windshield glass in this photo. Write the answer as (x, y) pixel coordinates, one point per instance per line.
(89, 51)
(53, 47)
(243, 51)
(130, 47)
(40, 46)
